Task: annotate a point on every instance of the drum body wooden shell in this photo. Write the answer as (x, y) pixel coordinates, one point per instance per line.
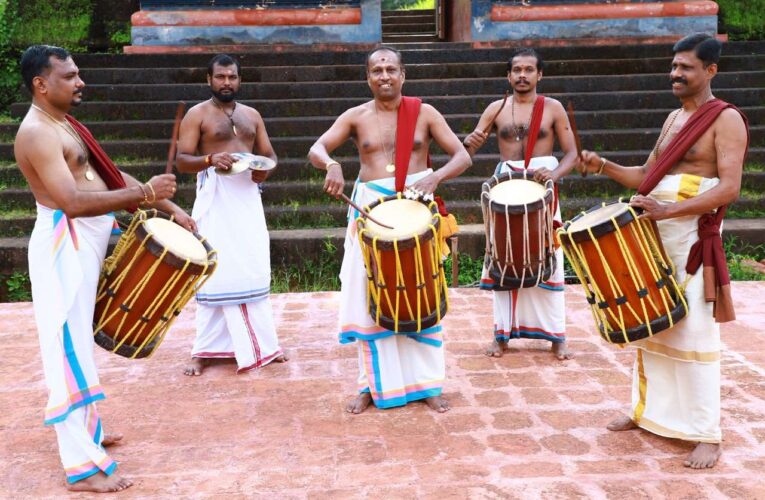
(406, 289)
(627, 275)
(518, 219)
(145, 283)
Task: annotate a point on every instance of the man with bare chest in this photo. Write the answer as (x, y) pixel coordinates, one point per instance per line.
(537, 312)
(394, 369)
(693, 173)
(234, 315)
(76, 187)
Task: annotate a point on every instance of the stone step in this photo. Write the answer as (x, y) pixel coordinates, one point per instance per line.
(457, 104)
(297, 147)
(409, 28)
(314, 126)
(298, 169)
(286, 207)
(439, 53)
(290, 247)
(440, 85)
(356, 72)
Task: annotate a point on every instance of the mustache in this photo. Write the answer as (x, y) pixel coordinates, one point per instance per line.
(679, 79)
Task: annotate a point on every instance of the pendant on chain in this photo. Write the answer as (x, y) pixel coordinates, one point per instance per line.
(390, 168)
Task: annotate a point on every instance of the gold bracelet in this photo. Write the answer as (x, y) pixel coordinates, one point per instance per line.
(153, 193)
(602, 164)
(208, 160)
(330, 163)
(145, 195)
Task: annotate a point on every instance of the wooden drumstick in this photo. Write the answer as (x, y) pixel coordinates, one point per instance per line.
(572, 121)
(363, 212)
(174, 138)
(487, 129)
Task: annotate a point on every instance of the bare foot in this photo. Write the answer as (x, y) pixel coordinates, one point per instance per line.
(195, 367)
(282, 358)
(622, 423)
(111, 439)
(496, 348)
(359, 404)
(437, 403)
(560, 350)
(704, 456)
(101, 483)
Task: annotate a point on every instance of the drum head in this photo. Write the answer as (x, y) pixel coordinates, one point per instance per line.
(180, 242)
(597, 216)
(248, 161)
(407, 217)
(517, 192)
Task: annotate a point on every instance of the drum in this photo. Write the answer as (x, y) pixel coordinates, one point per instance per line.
(406, 290)
(627, 276)
(154, 270)
(518, 217)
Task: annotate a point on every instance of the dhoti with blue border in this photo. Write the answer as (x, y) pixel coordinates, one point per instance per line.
(537, 312)
(65, 257)
(395, 368)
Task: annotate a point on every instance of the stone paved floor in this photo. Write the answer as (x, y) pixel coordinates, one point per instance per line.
(523, 426)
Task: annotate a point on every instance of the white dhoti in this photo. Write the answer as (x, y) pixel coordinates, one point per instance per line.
(65, 258)
(234, 314)
(394, 368)
(676, 379)
(533, 313)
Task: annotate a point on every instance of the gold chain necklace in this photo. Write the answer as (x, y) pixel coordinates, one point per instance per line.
(664, 134)
(89, 175)
(390, 167)
(229, 116)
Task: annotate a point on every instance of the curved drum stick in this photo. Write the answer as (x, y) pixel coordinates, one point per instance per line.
(363, 212)
(174, 138)
(572, 121)
(487, 129)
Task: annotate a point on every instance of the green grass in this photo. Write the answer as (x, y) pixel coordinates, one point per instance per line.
(7, 118)
(317, 274)
(737, 252)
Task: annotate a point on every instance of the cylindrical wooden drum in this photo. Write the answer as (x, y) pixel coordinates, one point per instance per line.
(406, 290)
(518, 217)
(627, 276)
(153, 271)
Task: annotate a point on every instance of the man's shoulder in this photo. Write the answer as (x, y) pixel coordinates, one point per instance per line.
(32, 128)
(551, 102)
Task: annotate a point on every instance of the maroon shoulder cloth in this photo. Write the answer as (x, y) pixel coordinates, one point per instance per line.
(708, 250)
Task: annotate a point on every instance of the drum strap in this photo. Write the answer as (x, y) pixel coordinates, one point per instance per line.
(99, 159)
(536, 122)
(708, 250)
(408, 111)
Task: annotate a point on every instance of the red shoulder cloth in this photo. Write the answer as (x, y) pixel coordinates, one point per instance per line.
(708, 250)
(408, 111)
(536, 123)
(99, 159)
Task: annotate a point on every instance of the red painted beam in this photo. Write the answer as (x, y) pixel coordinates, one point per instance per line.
(246, 17)
(510, 13)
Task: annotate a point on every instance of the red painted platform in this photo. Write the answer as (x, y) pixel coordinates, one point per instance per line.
(523, 426)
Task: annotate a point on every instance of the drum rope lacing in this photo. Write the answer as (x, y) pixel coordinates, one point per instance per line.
(377, 291)
(157, 332)
(600, 308)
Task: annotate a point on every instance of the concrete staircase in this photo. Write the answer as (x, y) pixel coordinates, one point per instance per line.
(409, 26)
(621, 95)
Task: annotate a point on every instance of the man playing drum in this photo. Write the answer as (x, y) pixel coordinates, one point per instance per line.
(526, 139)
(393, 369)
(685, 184)
(234, 315)
(76, 188)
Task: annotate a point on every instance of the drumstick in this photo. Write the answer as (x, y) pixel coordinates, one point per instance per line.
(572, 121)
(362, 212)
(174, 138)
(487, 129)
